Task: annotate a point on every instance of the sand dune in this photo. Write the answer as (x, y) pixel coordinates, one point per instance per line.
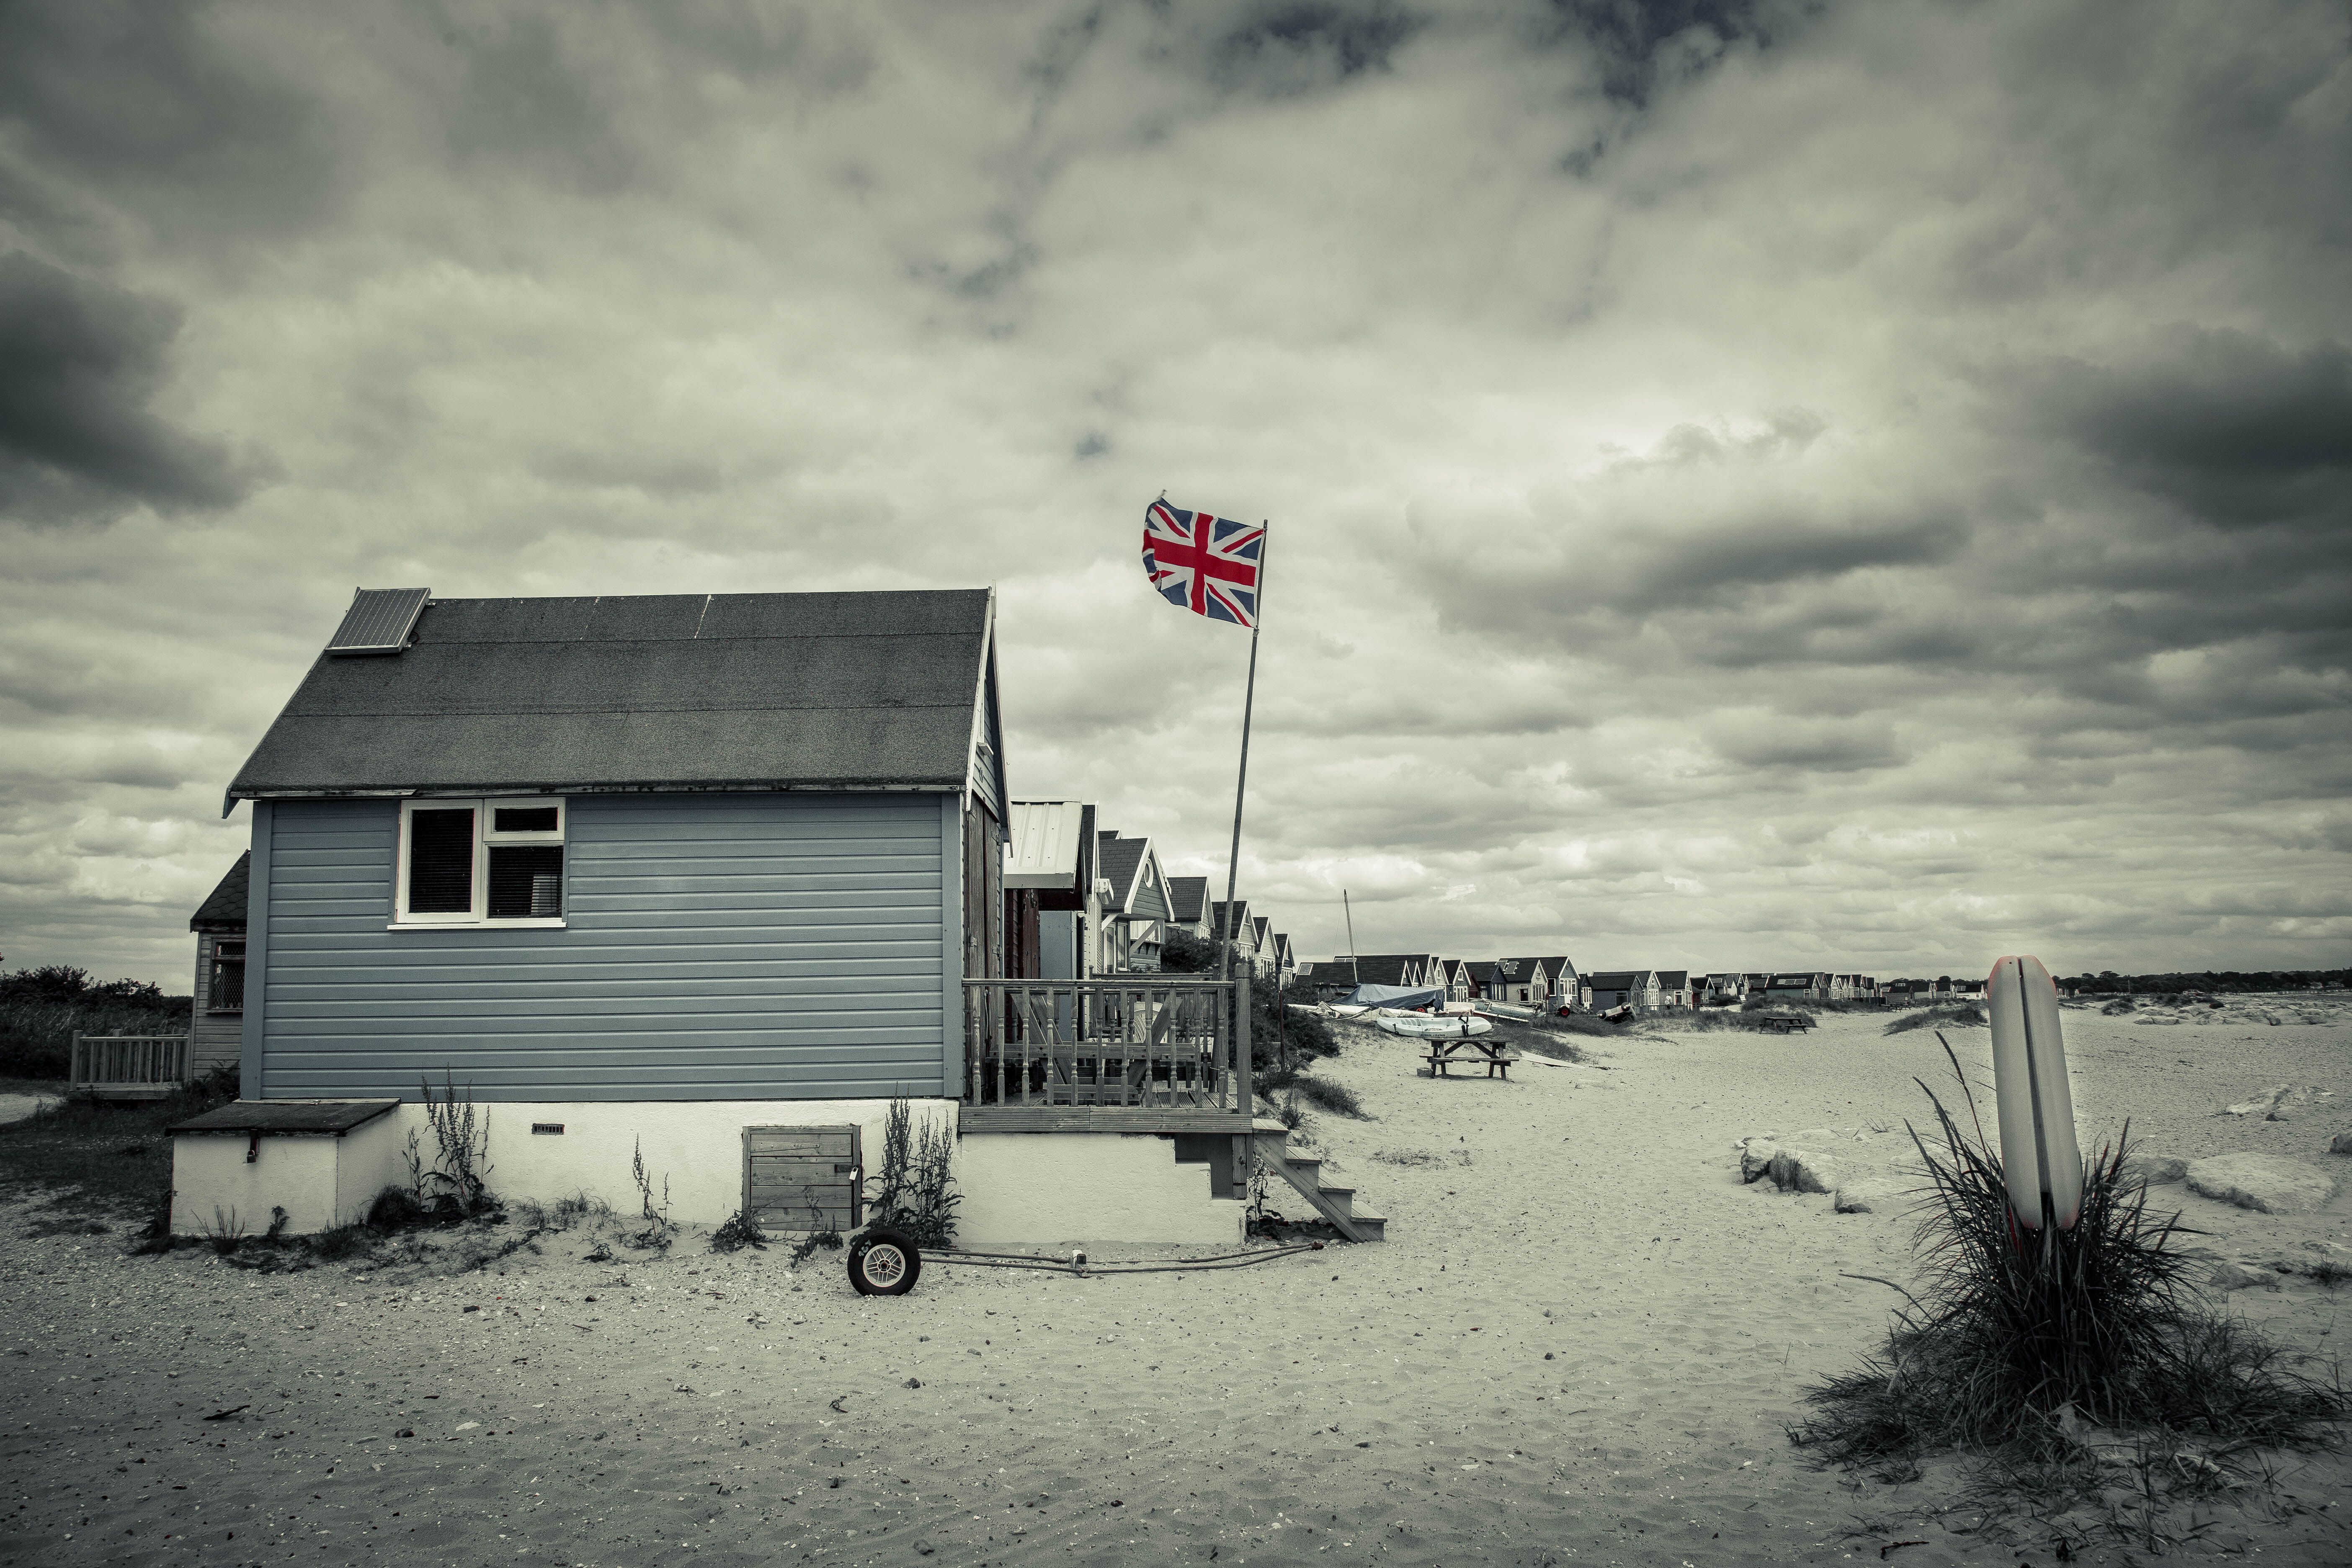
(1581, 1345)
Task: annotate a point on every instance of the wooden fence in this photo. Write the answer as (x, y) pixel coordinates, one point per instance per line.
(130, 1067)
(1171, 1044)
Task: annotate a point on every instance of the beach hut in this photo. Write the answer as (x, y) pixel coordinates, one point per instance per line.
(217, 1020)
(706, 879)
(1188, 904)
(1048, 888)
(1135, 905)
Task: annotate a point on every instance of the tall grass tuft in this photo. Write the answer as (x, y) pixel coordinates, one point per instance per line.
(2014, 1337)
(918, 1192)
(1964, 1013)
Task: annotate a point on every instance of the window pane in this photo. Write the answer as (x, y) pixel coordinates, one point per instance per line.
(526, 881)
(228, 984)
(523, 820)
(441, 862)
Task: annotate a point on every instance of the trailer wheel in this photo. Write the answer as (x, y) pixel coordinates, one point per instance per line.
(883, 1262)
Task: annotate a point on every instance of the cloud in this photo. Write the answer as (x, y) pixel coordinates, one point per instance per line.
(1748, 484)
(79, 366)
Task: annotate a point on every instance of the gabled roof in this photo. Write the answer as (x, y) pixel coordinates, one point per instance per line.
(1555, 967)
(1511, 970)
(1043, 843)
(1133, 873)
(1262, 929)
(1187, 899)
(1672, 979)
(1380, 968)
(225, 908)
(1282, 953)
(677, 692)
(1482, 969)
(1242, 929)
(1617, 980)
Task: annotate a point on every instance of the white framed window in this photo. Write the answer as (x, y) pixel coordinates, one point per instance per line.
(497, 861)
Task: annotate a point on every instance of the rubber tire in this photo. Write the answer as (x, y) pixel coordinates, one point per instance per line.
(890, 1283)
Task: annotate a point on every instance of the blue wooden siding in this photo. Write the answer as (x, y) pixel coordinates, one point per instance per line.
(716, 947)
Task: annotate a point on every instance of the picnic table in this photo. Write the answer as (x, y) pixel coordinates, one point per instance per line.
(1494, 1055)
(1784, 1022)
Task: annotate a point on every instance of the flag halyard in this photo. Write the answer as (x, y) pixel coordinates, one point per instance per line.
(1203, 564)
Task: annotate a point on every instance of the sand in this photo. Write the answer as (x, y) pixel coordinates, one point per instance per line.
(18, 1106)
(1581, 1344)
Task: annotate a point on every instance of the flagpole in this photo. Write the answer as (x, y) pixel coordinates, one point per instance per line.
(1240, 785)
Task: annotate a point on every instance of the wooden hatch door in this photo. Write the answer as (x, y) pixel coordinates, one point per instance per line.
(804, 1178)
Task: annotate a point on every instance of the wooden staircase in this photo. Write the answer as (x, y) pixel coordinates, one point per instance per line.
(1304, 1172)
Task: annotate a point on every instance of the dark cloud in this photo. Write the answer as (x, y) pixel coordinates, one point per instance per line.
(1295, 43)
(167, 110)
(79, 366)
(2237, 428)
(1641, 44)
(1781, 741)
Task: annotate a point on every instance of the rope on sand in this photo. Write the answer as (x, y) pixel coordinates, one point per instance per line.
(1119, 1266)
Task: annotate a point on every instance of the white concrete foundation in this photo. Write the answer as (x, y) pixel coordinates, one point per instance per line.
(1040, 1188)
(1024, 1188)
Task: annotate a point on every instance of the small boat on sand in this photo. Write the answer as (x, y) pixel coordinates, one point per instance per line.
(1424, 1027)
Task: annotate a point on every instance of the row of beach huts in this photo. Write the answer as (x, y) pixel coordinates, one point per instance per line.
(1555, 984)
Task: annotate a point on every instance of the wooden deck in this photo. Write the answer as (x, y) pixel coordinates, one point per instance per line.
(1123, 1043)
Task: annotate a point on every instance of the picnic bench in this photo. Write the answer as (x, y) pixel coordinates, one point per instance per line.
(1494, 1054)
(1784, 1022)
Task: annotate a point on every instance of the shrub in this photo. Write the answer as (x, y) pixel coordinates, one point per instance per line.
(739, 1232)
(2015, 1334)
(1335, 1098)
(1965, 1014)
(577, 1209)
(42, 1009)
(918, 1192)
(395, 1209)
(463, 1141)
(657, 1232)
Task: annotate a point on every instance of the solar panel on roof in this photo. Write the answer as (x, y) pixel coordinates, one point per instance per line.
(379, 620)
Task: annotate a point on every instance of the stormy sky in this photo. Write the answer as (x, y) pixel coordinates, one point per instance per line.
(1845, 485)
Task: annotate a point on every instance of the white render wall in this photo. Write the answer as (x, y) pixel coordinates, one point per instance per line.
(1039, 1188)
(319, 1180)
(1018, 1188)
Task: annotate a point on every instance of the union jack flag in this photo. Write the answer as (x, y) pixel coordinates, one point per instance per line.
(1206, 564)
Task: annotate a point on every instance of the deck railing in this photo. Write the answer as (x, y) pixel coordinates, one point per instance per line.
(1123, 1041)
(129, 1066)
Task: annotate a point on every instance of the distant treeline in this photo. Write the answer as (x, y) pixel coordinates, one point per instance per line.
(2214, 980)
(42, 1009)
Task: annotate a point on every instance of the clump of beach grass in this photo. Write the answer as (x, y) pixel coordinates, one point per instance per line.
(1965, 1014)
(2019, 1343)
(1323, 1093)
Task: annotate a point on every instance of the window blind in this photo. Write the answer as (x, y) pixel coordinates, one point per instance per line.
(441, 861)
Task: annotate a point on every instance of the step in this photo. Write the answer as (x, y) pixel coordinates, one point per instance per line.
(1335, 1202)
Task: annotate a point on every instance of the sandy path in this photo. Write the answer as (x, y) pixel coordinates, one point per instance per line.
(1390, 1403)
(16, 1107)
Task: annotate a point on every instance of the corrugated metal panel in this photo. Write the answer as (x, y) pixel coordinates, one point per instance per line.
(379, 620)
(719, 947)
(1044, 848)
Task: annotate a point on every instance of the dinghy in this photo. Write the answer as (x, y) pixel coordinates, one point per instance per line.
(1424, 1027)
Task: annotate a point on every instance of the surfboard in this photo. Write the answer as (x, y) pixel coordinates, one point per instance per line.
(2036, 1108)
